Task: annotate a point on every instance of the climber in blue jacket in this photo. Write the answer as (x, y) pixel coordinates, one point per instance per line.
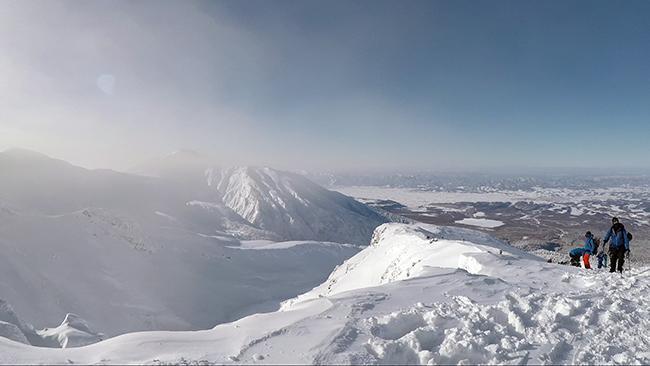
(585, 252)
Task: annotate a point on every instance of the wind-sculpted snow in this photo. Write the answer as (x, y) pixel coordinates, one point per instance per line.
(469, 299)
(73, 332)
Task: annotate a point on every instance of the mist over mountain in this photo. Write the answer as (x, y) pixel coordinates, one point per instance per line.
(169, 252)
(477, 182)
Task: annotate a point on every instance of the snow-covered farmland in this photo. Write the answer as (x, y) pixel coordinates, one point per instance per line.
(484, 223)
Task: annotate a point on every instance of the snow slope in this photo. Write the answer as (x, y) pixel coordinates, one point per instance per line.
(124, 276)
(14, 328)
(418, 294)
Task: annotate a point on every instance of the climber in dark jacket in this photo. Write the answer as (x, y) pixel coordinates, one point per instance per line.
(619, 245)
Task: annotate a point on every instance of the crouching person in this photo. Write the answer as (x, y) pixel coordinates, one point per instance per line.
(590, 247)
(575, 255)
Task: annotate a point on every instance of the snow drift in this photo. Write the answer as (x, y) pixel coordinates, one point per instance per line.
(418, 294)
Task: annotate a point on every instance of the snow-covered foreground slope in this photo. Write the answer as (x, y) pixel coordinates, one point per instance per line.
(418, 294)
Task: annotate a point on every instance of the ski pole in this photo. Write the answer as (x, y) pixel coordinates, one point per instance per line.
(629, 261)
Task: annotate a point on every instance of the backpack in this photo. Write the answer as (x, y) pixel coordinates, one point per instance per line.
(619, 234)
(629, 236)
(596, 242)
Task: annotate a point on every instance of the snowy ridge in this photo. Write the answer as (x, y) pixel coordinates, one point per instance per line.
(470, 299)
(398, 252)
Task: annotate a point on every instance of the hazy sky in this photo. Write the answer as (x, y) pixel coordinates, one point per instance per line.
(329, 84)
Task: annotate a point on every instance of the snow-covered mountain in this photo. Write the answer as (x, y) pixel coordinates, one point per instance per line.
(283, 203)
(32, 182)
(420, 294)
(243, 203)
(292, 206)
